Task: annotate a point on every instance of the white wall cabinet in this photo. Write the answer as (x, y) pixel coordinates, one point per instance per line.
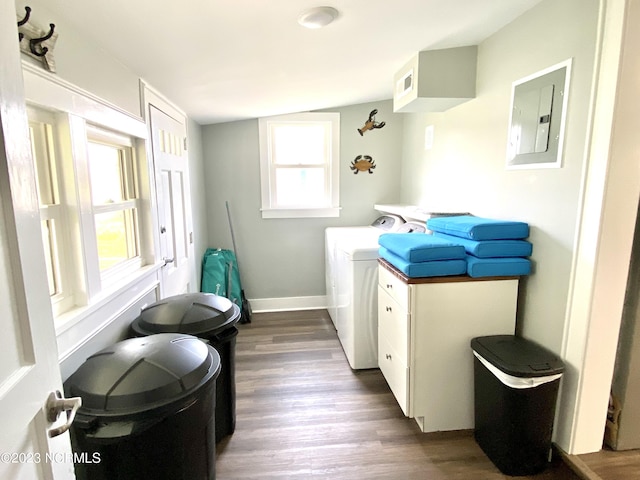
(425, 326)
(436, 80)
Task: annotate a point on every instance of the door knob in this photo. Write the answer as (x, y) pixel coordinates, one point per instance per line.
(55, 405)
(167, 260)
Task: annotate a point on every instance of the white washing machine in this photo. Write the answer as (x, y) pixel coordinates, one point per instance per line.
(338, 235)
(351, 276)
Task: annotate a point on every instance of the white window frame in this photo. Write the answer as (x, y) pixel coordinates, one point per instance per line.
(330, 121)
(74, 111)
(103, 136)
(45, 150)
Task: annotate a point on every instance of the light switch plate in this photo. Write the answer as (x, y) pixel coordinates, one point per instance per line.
(428, 137)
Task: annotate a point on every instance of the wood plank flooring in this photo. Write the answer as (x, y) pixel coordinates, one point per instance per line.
(613, 465)
(303, 413)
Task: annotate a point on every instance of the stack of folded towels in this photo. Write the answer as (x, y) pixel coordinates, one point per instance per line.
(422, 255)
(493, 247)
(479, 247)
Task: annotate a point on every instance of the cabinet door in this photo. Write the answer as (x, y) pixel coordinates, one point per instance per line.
(395, 287)
(393, 336)
(445, 317)
(393, 324)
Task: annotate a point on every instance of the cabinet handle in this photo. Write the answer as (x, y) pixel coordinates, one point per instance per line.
(388, 356)
(389, 285)
(388, 309)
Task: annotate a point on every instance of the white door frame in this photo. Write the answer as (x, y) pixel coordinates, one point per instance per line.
(149, 96)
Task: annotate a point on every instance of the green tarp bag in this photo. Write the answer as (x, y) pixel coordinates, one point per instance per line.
(220, 274)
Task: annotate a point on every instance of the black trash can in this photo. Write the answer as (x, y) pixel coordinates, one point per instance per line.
(516, 386)
(147, 410)
(212, 318)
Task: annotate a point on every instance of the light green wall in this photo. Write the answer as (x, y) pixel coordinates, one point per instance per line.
(285, 257)
(198, 196)
(465, 170)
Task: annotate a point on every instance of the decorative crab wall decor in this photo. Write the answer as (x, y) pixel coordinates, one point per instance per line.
(363, 163)
(371, 123)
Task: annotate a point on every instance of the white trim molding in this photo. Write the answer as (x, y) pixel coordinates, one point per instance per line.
(285, 304)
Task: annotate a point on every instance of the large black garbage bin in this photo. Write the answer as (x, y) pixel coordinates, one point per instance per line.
(212, 318)
(147, 410)
(516, 387)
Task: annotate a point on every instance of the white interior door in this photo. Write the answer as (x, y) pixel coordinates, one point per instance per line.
(28, 354)
(174, 201)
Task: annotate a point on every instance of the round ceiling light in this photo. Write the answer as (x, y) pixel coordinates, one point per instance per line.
(318, 17)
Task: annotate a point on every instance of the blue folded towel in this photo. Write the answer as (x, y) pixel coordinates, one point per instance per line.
(478, 228)
(420, 247)
(497, 267)
(491, 248)
(435, 268)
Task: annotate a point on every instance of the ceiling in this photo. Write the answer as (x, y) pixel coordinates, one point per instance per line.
(225, 60)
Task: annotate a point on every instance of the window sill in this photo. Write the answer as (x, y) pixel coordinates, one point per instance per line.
(301, 212)
(74, 316)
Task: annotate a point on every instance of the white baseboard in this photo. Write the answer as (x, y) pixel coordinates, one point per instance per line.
(287, 304)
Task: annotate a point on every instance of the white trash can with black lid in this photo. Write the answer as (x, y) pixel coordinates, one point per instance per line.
(147, 410)
(516, 385)
(212, 318)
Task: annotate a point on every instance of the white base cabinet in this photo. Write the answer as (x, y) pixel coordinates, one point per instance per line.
(425, 326)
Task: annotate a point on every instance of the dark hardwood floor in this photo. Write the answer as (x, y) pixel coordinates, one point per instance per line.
(303, 413)
(613, 465)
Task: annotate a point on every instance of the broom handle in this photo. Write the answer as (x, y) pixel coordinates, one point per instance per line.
(233, 238)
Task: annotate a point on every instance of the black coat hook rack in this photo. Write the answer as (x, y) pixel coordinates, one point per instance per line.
(41, 42)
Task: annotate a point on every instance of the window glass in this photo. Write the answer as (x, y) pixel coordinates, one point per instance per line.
(299, 144)
(42, 149)
(50, 256)
(299, 165)
(300, 186)
(106, 174)
(115, 234)
(112, 179)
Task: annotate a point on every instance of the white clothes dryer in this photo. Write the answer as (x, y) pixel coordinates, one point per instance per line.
(351, 274)
(337, 235)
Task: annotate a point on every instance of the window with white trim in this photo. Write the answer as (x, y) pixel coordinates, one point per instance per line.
(112, 175)
(53, 219)
(89, 193)
(299, 165)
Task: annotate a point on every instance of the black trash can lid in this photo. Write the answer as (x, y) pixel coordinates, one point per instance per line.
(142, 374)
(517, 356)
(199, 314)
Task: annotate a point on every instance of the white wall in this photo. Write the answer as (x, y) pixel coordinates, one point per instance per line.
(82, 62)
